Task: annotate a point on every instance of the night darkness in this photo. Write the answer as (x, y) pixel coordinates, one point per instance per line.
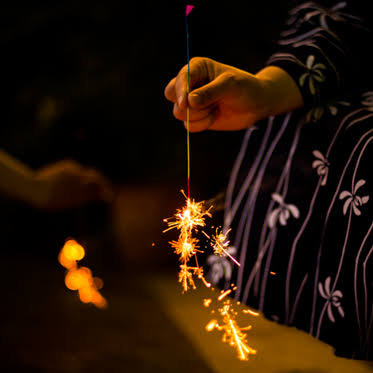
(85, 80)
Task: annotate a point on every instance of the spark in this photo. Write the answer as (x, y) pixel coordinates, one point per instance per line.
(207, 302)
(186, 277)
(187, 220)
(272, 273)
(251, 312)
(185, 247)
(220, 244)
(211, 325)
(232, 333)
(224, 294)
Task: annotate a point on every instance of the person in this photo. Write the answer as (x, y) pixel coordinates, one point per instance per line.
(62, 185)
(298, 201)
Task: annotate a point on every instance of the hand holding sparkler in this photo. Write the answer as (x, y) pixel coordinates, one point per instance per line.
(223, 97)
(188, 219)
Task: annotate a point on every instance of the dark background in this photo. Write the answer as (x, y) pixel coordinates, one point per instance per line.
(85, 80)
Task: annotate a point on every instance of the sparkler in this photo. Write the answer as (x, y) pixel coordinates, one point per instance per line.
(80, 278)
(187, 221)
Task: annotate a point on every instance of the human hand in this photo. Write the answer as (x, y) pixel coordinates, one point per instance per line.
(223, 97)
(68, 184)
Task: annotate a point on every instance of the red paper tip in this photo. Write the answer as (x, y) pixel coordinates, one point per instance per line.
(189, 8)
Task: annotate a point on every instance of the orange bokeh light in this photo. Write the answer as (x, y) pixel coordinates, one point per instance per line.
(80, 278)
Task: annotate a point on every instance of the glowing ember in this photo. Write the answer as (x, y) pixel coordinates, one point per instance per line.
(80, 278)
(185, 247)
(251, 312)
(232, 333)
(188, 218)
(207, 302)
(224, 294)
(187, 221)
(211, 325)
(220, 244)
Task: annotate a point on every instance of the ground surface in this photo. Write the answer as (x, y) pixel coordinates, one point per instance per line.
(148, 327)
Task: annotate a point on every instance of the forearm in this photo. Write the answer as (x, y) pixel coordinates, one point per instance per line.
(282, 95)
(16, 179)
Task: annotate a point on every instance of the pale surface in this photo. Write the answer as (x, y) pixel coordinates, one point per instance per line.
(280, 349)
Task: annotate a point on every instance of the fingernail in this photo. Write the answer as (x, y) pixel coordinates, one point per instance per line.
(180, 100)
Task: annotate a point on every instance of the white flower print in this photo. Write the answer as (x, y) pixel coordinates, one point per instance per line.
(333, 13)
(332, 299)
(354, 200)
(283, 212)
(221, 266)
(322, 166)
(313, 74)
(325, 13)
(316, 112)
(368, 100)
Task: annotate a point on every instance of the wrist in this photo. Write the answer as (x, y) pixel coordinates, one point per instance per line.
(280, 92)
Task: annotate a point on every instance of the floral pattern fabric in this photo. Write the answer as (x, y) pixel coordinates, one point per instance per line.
(299, 199)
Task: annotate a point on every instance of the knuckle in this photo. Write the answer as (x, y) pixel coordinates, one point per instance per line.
(178, 114)
(230, 78)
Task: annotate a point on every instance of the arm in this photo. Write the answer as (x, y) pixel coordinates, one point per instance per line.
(65, 184)
(319, 59)
(324, 49)
(16, 179)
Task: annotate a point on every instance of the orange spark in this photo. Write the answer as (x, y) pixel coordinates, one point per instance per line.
(186, 277)
(186, 221)
(185, 247)
(188, 218)
(207, 302)
(251, 312)
(224, 294)
(211, 325)
(220, 244)
(232, 333)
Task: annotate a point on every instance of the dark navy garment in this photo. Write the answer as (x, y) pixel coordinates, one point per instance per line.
(299, 201)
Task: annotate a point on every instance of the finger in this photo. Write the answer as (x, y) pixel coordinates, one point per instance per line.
(211, 93)
(169, 91)
(201, 125)
(194, 115)
(198, 75)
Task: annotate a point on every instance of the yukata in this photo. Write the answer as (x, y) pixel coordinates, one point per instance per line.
(299, 200)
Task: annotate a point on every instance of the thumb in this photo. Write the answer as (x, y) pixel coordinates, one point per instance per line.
(210, 93)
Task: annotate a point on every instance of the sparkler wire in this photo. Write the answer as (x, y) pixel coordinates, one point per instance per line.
(188, 90)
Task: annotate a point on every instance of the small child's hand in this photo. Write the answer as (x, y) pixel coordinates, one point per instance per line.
(67, 184)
